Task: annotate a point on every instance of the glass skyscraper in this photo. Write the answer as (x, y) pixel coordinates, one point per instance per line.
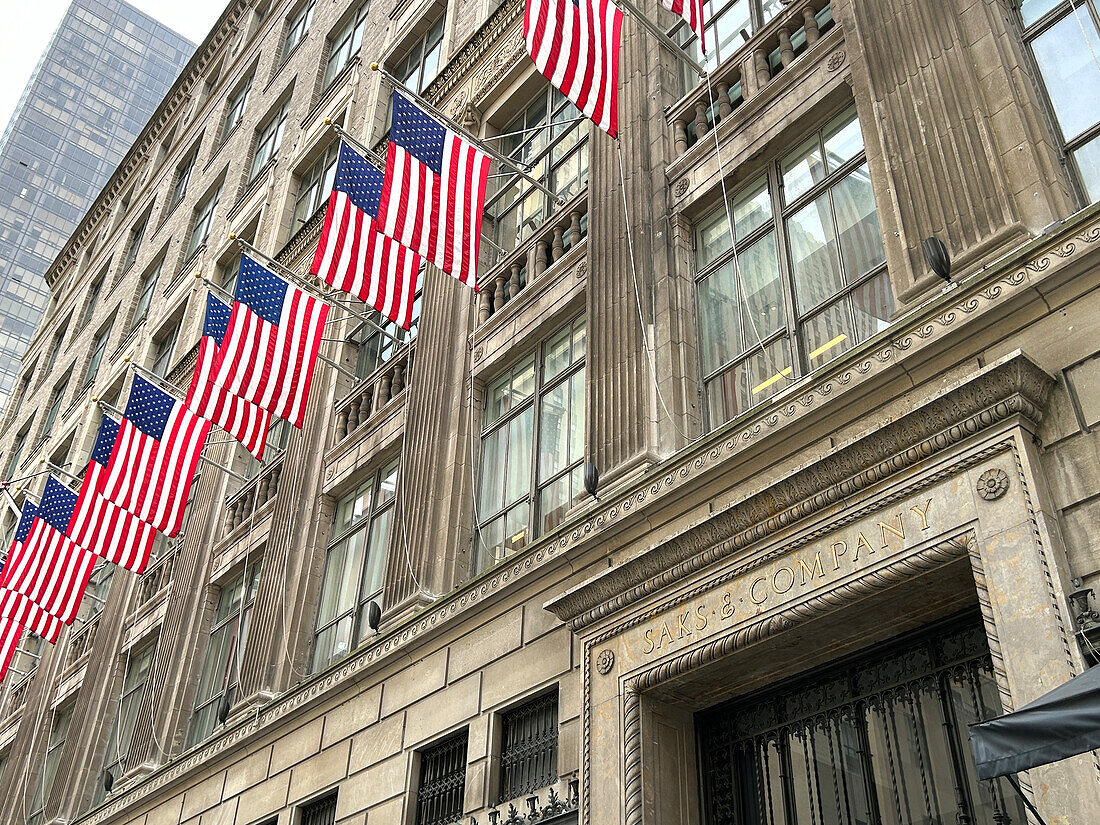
(104, 72)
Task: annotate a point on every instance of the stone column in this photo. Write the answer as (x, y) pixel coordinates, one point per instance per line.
(429, 554)
(955, 138)
(628, 427)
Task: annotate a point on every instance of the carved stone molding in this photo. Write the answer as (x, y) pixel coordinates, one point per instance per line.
(1015, 386)
(605, 661)
(992, 484)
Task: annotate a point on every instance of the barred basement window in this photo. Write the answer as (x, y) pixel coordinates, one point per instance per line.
(439, 800)
(321, 812)
(529, 747)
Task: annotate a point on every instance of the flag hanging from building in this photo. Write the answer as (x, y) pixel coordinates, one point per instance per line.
(17, 607)
(271, 342)
(353, 255)
(434, 191)
(154, 458)
(575, 45)
(692, 12)
(245, 421)
(102, 527)
(10, 633)
(50, 568)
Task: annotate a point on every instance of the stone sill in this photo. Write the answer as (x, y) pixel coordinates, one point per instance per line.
(990, 288)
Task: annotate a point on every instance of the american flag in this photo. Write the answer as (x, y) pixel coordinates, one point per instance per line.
(50, 568)
(19, 609)
(10, 633)
(154, 457)
(101, 526)
(692, 12)
(241, 419)
(356, 257)
(575, 44)
(271, 343)
(434, 191)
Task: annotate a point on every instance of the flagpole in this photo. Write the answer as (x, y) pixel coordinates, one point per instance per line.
(397, 85)
(168, 387)
(309, 287)
(53, 468)
(120, 414)
(664, 39)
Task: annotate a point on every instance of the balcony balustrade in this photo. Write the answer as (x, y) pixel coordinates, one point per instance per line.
(374, 393)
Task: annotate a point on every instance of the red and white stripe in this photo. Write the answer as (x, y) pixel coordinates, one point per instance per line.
(354, 256)
(16, 607)
(438, 216)
(575, 45)
(692, 12)
(10, 633)
(103, 528)
(151, 478)
(272, 365)
(51, 570)
(243, 420)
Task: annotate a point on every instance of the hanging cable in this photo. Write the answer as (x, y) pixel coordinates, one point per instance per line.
(1084, 33)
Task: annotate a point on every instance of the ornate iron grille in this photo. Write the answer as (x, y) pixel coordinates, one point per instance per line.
(879, 741)
(439, 799)
(529, 747)
(321, 812)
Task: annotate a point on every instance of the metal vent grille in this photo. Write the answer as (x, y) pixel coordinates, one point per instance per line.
(321, 812)
(439, 799)
(529, 747)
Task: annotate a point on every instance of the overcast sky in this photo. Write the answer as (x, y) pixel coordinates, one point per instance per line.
(27, 27)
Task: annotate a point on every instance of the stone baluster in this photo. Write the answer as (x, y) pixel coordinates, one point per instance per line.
(398, 379)
(484, 307)
(542, 254)
(680, 135)
(262, 492)
(813, 31)
(367, 405)
(353, 413)
(383, 390)
(273, 480)
(342, 424)
(786, 50)
(557, 248)
(498, 293)
(575, 228)
(724, 106)
(701, 125)
(763, 73)
(513, 280)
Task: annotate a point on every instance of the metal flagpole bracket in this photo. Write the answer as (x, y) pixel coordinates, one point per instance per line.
(664, 39)
(215, 288)
(346, 136)
(521, 168)
(53, 468)
(336, 366)
(167, 386)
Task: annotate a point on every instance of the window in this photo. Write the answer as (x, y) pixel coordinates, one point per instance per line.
(59, 732)
(235, 112)
(418, 68)
(136, 235)
(99, 346)
(344, 44)
(183, 175)
(558, 157)
(95, 594)
(219, 675)
(17, 447)
(529, 747)
(55, 346)
(729, 25)
(320, 812)
(122, 732)
(373, 349)
(809, 279)
(163, 346)
(204, 217)
(55, 405)
(532, 446)
(93, 298)
(354, 566)
(296, 30)
(442, 787)
(1064, 39)
(270, 136)
(314, 186)
(146, 289)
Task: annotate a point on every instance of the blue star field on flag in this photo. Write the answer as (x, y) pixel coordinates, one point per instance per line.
(418, 133)
(149, 407)
(261, 290)
(57, 505)
(360, 180)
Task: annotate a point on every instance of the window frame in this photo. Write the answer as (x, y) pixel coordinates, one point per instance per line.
(786, 340)
(137, 235)
(269, 138)
(163, 355)
(510, 785)
(18, 445)
(147, 289)
(343, 35)
(98, 349)
(127, 706)
(54, 407)
(438, 750)
(413, 57)
(50, 762)
(203, 221)
(184, 169)
(235, 108)
(314, 183)
(297, 28)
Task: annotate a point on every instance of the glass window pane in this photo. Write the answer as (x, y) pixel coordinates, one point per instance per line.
(1088, 166)
(812, 241)
(1067, 64)
(802, 170)
(857, 224)
(872, 306)
(576, 416)
(752, 208)
(523, 382)
(714, 238)
(516, 532)
(335, 567)
(520, 433)
(719, 329)
(555, 356)
(762, 307)
(375, 566)
(1032, 10)
(491, 493)
(827, 335)
(748, 382)
(387, 484)
(843, 139)
(554, 430)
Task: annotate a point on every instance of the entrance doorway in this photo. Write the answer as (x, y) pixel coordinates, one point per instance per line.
(879, 739)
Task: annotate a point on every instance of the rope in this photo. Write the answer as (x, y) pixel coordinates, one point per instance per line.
(1084, 33)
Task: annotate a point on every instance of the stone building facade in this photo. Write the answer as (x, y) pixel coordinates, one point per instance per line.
(842, 510)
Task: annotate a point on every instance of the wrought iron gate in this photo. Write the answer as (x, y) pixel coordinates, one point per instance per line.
(881, 740)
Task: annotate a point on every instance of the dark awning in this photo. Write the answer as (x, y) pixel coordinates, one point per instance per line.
(1057, 725)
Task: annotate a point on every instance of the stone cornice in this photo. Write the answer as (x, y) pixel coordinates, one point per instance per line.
(1014, 386)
